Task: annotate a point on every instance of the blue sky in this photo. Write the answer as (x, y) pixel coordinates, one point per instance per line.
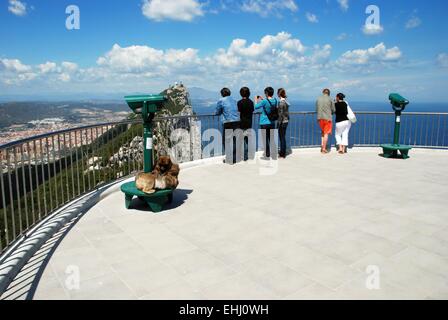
(303, 45)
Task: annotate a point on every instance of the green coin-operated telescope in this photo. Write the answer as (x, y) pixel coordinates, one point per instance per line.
(391, 150)
(147, 106)
(398, 102)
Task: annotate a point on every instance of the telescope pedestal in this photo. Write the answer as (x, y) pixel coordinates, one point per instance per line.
(391, 151)
(147, 106)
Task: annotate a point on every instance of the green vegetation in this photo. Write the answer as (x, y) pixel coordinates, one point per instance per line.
(85, 168)
(73, 181)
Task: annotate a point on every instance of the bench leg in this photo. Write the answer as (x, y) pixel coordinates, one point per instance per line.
(387, 153)
(157, 204)
(128, 201)
(405, 154)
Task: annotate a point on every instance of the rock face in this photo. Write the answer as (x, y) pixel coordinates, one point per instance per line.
(177, 132)
(178, 103)
(129, 152)
(178, 137)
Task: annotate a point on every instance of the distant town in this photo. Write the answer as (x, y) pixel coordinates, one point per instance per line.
(21, 120)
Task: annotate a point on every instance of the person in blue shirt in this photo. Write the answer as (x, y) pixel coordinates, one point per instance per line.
(227, 108)
(267, 127)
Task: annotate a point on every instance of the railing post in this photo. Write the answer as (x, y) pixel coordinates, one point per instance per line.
(5, 212)
(11, 198)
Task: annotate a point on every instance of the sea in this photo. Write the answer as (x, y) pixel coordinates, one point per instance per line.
(426, 130)
(208, 107)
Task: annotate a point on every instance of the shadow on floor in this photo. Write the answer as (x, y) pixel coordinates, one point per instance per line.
(25, 284)
(180, 196)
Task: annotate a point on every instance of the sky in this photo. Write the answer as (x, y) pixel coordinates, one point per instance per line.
(129, 46)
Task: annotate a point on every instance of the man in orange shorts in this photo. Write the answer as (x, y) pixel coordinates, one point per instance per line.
(325, 109)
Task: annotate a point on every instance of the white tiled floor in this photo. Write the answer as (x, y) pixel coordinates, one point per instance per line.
(307, 232)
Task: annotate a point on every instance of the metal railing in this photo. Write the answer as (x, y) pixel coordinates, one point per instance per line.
(43, 173)
(423, 130)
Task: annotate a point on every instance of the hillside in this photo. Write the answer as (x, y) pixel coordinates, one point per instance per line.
(19, 113)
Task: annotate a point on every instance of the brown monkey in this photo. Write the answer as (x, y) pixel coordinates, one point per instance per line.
(164, 176)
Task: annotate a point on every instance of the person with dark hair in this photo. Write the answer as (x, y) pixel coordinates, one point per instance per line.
(246, 110)
(267, 106)
(343, 124)
(325, 109)
(225, 92)
(283, 120)
(228, 110)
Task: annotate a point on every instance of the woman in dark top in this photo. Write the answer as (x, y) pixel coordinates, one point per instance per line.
(246, 110)
(343, 124)
(283, 120)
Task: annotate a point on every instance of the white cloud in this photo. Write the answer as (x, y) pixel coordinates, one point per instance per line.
(181, 10)
(69, 66)
(266, 7)
(279, 50)
(14, 65)
(136, 59)
(277, 60)
(372, 29)
(64, 77)
(341, 37)
(312, 17)
(343, 4)
(413, 22)
(52, 67)
(17, 7)
(27, 76)
(344, 84)
(267, 44)
(321, 55)
(16, 73)
(442, 60)
(47, 67)
(379, 53)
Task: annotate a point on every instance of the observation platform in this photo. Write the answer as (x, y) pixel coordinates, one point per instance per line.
(314, 227)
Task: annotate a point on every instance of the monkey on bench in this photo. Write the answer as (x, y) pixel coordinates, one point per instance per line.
(164, 176)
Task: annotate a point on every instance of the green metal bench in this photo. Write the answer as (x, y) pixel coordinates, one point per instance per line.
(391, 151)
(155, 200)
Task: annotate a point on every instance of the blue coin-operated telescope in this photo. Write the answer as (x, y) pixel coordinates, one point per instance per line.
(391, 150)
(146, 106)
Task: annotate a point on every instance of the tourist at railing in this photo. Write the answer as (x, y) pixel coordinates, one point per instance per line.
(283, 120)
(343, 124)
(325, 109)
(228, 110)
(246, 109)
(267, 107)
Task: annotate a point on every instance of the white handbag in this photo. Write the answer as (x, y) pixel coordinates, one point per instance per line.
(351, 115)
